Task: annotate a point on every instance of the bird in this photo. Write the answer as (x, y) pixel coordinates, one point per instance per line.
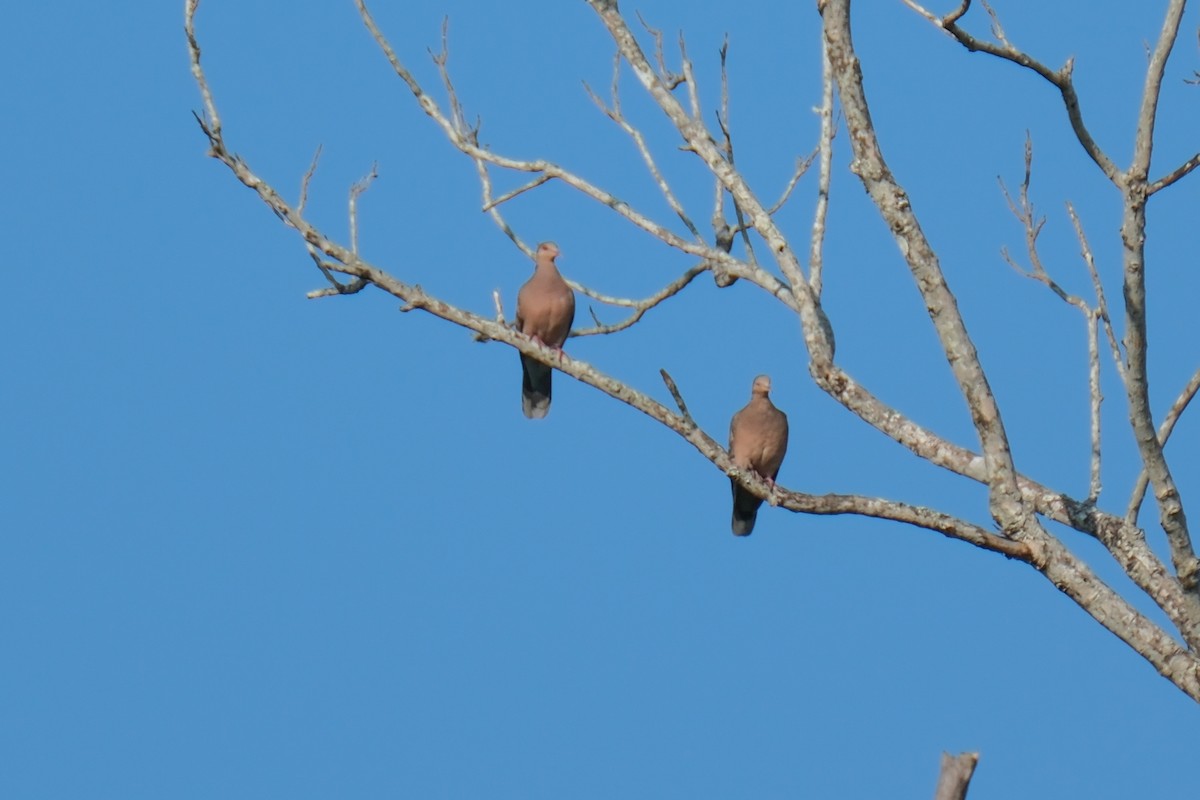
(545, 311)
(758, 437)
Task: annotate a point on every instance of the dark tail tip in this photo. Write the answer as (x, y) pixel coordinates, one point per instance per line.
(745, 510)
(535, 406)
(743, 527)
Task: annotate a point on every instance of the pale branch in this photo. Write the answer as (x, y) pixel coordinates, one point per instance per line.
(1096, 398)
(835, 381)
(1148, 111)
(723, 123)
(846, 391)
(1127, 545)
(689, 76)
(714, 257)
(213, 119)
(442, 60)
(1047, 554)
(498, 304)
(671, 79)
(955, 776)
(640, 307)
(955, 15)
(338, 288)
(1076, 580)
(504, 198)
(1164, 433)
(1004, 497)
(1135, 191)
(723, 232)
(934, 18)
(1061, 79)
(1135, 188)
(1174, 175)
(801, 169)
(614, 113)
(816, 258)
(356, 190)
(676, 395)
(347, 262)
(493, 210)
(701, 142)
(879, 508)
(468, 146)
(1023, 209)
(1085, 250)
(1195, 79)
(335, 287)
(832, 379)
(306, 179)
(467, 143)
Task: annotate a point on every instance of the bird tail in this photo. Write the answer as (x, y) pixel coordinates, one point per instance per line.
(745, 510)
(535, 387)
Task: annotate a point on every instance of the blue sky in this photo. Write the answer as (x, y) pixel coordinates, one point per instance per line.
(256, 545)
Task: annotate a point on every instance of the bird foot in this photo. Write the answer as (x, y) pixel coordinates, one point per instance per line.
(562, 356)
(772, 498)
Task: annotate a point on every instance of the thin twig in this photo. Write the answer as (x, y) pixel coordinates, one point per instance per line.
(504, 198)
(723, 122)
(485, 185)
(1061, 79)
(1094, 393)
(308, 175)
(1174, 175)
(1023, 209)
(1164, 433)
(640, 306)
(614, 114)
(442, 60)
(469, 147)
(1098, 287)
(360, 186)
(689, 76)
(674, 390)
(670, 79)
(335, 287)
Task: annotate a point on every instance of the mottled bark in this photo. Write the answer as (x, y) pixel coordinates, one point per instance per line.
(955, 776)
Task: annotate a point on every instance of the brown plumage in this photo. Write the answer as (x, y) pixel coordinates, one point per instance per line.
(758, 437)
(545, 311)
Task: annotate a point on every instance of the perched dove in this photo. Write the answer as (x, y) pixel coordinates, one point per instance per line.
(758, 437)
(545, 311)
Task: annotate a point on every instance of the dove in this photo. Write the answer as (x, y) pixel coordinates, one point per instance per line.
(758, 437)
(545, 311)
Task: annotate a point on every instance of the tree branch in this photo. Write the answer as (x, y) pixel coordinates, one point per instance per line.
(1005, 501)
(1135, 191)
(1061, 79)
(1022, 537)
(1164, 432)
(816, 260)
(1022, 208)
(955, 776)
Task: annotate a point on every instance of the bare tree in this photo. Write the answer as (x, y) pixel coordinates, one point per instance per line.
(742, 227)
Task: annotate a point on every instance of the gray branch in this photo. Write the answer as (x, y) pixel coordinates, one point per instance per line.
(955, 776)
